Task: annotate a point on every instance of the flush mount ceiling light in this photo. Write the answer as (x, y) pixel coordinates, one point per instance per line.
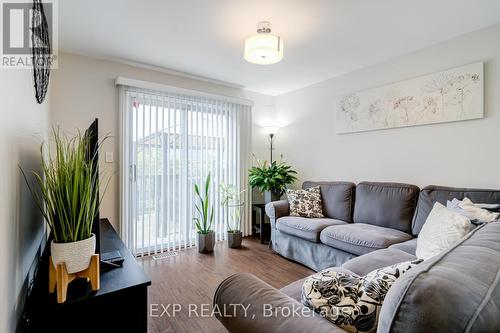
(263, 48)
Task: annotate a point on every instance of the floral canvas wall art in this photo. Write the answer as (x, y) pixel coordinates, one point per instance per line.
(452, 95)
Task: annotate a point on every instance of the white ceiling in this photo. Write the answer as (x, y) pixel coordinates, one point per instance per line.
(323, 38)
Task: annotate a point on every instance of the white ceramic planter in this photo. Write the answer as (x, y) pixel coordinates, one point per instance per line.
(76, 255)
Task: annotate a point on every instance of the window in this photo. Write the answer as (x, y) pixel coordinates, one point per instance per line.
(170, 142)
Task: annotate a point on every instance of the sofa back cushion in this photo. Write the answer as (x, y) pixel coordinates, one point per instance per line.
(455, 291)
(388, 205)
(337, 198)
(432, 194)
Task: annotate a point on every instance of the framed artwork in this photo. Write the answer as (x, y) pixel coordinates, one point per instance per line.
(452, 95)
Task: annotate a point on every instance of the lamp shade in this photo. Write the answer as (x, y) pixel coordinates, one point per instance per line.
(263, 48)
(271, 129)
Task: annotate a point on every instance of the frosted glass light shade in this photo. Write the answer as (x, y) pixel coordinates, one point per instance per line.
(271, 129)
(263, 49)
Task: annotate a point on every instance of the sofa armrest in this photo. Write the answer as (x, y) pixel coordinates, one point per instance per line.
(244, 303)
(277, 209)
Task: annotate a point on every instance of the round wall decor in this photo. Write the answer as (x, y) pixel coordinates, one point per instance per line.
(41, 51)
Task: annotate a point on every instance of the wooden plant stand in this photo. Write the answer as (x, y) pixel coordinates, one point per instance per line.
(59, 276)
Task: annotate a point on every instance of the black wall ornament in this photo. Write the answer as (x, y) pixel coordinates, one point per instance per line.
(42, 57)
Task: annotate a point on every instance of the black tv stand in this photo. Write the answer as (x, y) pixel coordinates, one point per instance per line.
(121, 304)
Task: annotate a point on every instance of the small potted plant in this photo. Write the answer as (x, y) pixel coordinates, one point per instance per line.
(232, 205)
(272, 179)
(68, 200)
(204, 220)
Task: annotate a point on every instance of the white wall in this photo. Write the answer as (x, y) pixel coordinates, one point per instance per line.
(83, 88)
(23, 127)
(456, 154)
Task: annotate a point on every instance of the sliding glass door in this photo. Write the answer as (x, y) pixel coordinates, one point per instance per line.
(174, 141)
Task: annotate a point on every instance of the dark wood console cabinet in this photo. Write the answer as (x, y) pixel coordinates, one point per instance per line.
(120, 305)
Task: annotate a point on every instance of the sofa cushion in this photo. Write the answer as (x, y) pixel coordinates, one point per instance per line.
(455, 291)
(361, 238)
(432, 194)
(337, 198)
(388, 205)
(305, 228)
(364, 264)
(409, 246)
(252, 296)
(294, 289)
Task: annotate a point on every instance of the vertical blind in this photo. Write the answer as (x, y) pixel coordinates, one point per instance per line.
(171, 142)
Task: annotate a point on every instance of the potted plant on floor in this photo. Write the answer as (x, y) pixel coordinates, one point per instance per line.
(232, 205)
(272, 179)
(205, 219)
(66, 194)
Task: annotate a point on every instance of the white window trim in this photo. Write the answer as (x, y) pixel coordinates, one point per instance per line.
(124, 84)
(124, 81)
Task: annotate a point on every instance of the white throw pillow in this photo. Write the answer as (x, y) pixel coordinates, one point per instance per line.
(440, 231)
(474, 212)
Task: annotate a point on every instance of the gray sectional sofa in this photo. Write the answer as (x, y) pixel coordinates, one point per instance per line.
(366, 227)
(358, 220)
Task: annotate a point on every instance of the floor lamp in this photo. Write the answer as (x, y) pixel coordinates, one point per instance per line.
(271, 131)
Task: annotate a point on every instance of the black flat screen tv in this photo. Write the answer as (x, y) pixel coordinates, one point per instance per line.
(93, 155)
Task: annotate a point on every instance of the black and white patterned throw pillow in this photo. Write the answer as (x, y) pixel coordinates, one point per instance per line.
(305, 203)
(351, 302)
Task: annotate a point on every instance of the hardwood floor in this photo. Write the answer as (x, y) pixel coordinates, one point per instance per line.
(191, 278)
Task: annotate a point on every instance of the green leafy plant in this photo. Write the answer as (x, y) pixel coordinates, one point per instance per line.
(232, 204)
(271, 177)
(205, 219)
(66, 190)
